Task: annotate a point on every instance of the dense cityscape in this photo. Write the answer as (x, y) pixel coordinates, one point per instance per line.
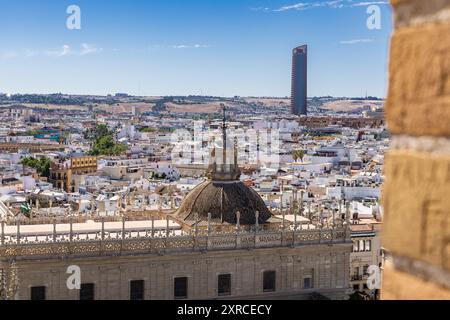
(91, 160)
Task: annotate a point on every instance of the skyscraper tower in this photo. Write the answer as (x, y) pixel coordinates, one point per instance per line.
(299, 80)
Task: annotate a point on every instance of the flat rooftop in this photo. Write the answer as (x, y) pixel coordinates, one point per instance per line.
(90, 227)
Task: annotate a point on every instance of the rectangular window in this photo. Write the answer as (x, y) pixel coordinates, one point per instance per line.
(137, 290)
(269, 281)
(224, 285)
(87, 291)
(368, 245)
(365, 270)
(180, 288)
(307, 283)
(37, 293)
(361, 245)
(355, 246)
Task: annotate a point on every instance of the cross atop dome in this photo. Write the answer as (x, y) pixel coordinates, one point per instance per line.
(222, 197)
(224, 131)
(223, 161)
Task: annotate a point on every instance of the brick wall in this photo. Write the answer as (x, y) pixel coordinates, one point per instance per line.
(416, 196)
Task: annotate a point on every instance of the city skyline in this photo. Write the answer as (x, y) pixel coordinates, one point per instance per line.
(163, 49)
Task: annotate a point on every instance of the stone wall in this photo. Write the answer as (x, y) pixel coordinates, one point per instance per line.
(417, 192)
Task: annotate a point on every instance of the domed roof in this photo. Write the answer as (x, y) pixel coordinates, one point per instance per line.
(223, 200)
(223, 195)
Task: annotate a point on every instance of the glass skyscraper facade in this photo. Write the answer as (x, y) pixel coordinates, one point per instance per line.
(299, 80)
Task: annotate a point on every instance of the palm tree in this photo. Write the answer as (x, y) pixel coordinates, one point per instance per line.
(298, 154)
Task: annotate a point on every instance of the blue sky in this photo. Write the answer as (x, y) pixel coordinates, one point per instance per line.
(181, 47)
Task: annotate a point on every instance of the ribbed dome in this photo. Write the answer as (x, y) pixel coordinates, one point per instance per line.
(223, 200)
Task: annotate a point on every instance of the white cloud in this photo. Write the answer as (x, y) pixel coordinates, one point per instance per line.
(335, 4)
(188, 46)
(63, 51)
(66, 50)
(260, 9)
(366, 4)
(89, 49)
(355, 41)
(298, 6)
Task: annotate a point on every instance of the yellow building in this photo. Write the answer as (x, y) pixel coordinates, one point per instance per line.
(61, 172)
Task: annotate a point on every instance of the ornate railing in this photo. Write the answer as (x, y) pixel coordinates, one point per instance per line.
(5, 212)
(157, 241)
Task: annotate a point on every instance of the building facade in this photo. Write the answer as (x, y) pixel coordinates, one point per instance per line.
(61, 173)
(159, 263)
(367, 251)
(181, 266)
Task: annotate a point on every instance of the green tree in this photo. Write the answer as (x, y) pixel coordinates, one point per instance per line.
(42, 165)
(298, 154)
(106, 146)
(104, 143)
(32, 132)
(100, 130)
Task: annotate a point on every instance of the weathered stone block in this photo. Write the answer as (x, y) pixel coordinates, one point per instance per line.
(419, 12)
(419, 91)
(416, 198)
(399, 285)
(397, 2)
(420, 6)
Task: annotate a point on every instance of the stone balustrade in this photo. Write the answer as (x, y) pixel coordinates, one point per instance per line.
(156, 239)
